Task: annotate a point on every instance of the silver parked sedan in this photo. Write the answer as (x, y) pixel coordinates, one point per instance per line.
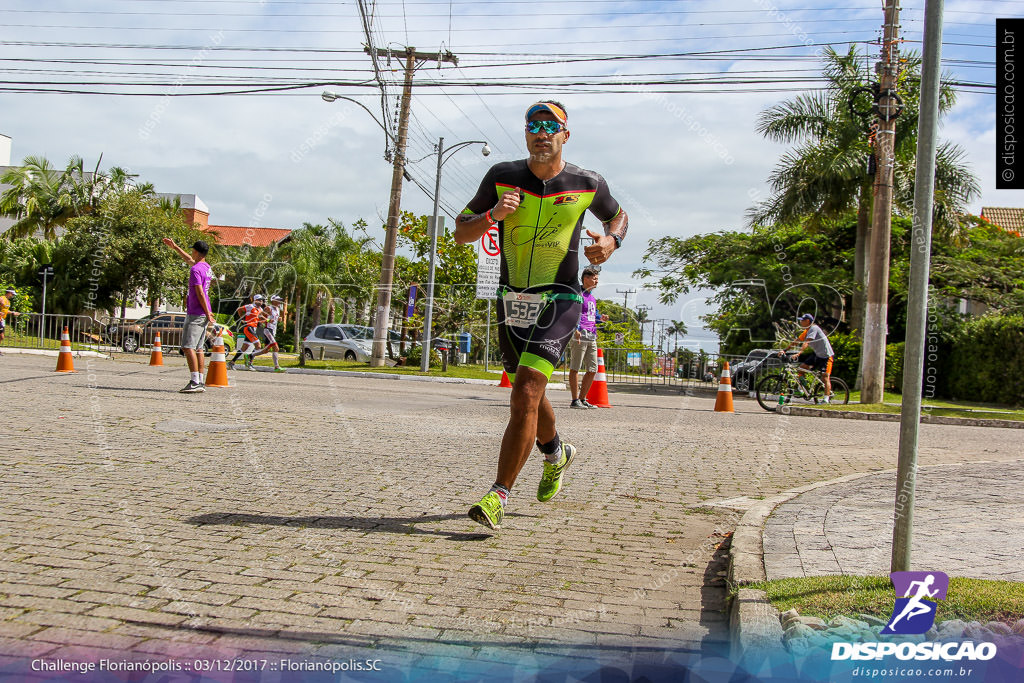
(348, 342)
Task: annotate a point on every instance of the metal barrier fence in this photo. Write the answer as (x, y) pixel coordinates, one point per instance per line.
(645, 368)
(38, 331)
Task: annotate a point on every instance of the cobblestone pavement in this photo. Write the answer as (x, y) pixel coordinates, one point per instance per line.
(319, 515)
(968, 521)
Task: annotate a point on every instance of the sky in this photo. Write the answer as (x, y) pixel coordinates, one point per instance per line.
(663, 98)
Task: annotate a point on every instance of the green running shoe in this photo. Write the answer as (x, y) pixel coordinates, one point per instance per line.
(551, 480)
(488, 511)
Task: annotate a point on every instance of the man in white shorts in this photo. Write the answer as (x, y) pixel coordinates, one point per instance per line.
(273, 313)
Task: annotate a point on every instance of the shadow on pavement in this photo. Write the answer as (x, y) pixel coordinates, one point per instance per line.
(713, 600)
(391, 525)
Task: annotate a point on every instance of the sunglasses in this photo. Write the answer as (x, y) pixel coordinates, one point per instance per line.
(549, 127)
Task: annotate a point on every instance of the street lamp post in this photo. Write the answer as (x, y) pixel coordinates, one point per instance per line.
(434, 228)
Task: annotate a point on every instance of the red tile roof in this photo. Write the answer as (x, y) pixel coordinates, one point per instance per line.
(1010, 219)
(237, 235)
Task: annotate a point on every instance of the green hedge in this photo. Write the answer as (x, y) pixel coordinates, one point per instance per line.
(987, 360)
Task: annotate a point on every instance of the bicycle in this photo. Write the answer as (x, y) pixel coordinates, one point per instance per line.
(784, 386)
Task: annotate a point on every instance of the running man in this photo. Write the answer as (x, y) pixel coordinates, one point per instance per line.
(198, 313)
(816, 352)
(273, 313)
(6, 301)
(914, 606)
(583, 347)
(252, 315)
(538, 204)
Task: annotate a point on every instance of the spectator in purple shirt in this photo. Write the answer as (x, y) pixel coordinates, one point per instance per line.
(583, 345)
(198, 313)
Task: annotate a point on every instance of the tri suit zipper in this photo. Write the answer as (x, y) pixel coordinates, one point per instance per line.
(533, 246)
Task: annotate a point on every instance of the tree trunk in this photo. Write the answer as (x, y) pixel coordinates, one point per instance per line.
(330, 311)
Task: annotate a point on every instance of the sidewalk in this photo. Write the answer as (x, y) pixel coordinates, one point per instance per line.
(968, 522)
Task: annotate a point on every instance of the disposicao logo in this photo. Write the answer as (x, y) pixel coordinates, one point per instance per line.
(916, 593)
(914, 614)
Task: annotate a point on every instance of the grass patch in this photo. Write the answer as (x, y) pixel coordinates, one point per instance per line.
(831, 596)
(940, 409)
(460, 371)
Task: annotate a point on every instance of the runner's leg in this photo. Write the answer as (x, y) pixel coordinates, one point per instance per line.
(521, 431)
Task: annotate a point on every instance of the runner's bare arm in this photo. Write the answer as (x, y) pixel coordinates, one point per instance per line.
(470, 228)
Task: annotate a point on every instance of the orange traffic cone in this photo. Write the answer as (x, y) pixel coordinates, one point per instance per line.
(64, 363)
(723, 402)
(598, 394)
(157, 356)
(504, 380)
(217, 375)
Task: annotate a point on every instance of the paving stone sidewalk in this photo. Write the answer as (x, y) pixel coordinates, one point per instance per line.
(968, 522)
(324, 515)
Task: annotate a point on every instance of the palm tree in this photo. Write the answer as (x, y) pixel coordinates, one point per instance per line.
(677, 329)
(825, 175)
(34, 199)
(43, 199)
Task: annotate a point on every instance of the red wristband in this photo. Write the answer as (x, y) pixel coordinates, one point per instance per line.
(487, 215)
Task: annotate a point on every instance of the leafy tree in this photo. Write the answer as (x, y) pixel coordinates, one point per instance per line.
(115, 253)
(455, 303)
(760, 277)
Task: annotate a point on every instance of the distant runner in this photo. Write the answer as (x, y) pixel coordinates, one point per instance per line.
(538, 204)
(251, 315)
(273, 313)
(6, 301)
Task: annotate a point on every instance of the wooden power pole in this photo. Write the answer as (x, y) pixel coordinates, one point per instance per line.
(387, 271)
(876, 309)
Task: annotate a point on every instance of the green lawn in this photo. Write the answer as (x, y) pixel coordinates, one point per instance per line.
(24, 341)
(937, 407)
(830, 596)
(460, 371)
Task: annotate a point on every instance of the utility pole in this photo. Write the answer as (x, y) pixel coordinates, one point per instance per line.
(917, 305)
(625, 299)
(387, 271)
(876, 310)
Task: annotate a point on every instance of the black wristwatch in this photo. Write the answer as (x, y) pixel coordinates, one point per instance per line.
(618, 240)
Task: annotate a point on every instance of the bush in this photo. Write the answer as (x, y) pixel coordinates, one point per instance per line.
(894, 367)
(415, 357)
(987, 360)
(847, 355)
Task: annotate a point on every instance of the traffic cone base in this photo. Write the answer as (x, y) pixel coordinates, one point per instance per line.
(217, 374)
(598, 394)
(156, 358)
(723, 402)
(64, 362)
(504, 380)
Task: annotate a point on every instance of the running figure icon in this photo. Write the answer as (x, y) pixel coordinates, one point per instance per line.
(915, 607)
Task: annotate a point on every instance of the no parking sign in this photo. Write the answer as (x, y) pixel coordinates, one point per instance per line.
(488, 265)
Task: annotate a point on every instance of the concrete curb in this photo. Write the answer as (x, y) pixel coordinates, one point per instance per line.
(48, 352)
(800, 411)
(754, 626)
(394, 376)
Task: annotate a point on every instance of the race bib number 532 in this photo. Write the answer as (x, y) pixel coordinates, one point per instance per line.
(522, 309)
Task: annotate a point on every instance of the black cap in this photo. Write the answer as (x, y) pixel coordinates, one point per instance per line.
(202, 247)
